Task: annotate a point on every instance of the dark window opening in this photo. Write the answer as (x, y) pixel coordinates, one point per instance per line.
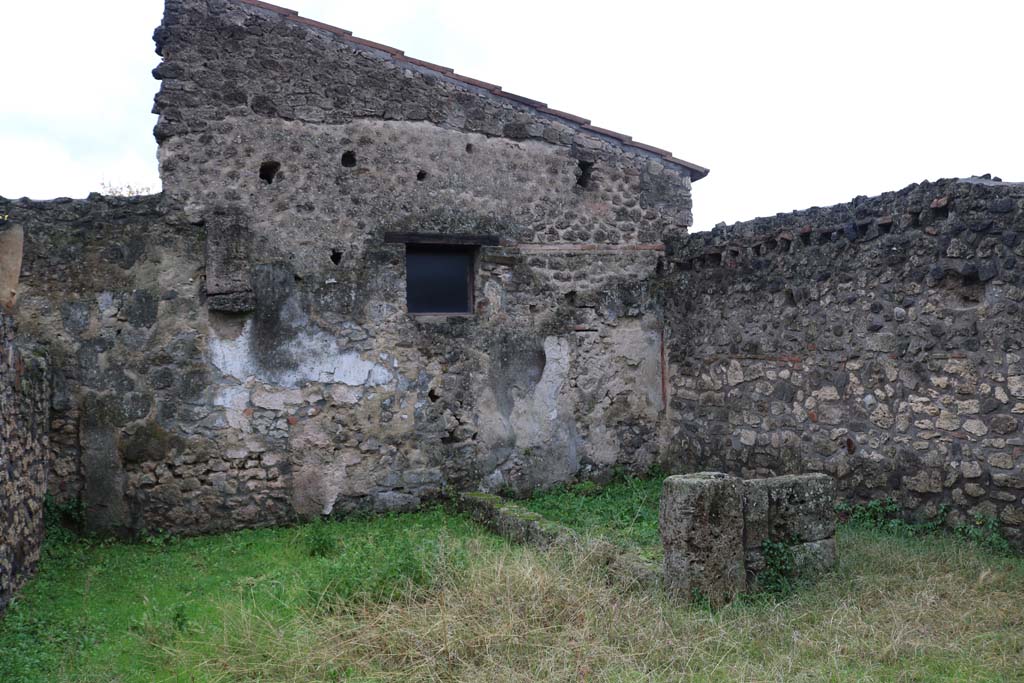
(269, 169)
(439, 278)
(422, 175)
(348, 159)
(335, 256)
(586, 169)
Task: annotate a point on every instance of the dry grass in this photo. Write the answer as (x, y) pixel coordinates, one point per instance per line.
(895, 610)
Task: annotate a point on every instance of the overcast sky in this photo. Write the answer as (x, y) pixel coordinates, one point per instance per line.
(791, 104)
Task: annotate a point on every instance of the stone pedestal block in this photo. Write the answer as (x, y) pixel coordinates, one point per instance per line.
(701, 521)
(789, 509)
(809, 559)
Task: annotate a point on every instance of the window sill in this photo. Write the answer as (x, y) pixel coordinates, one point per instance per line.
(438, 317)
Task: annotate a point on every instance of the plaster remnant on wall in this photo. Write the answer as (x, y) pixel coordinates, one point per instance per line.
(11, 245)
(318, 359)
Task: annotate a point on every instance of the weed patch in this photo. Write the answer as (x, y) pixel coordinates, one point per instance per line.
(625, 511)
(885, 515)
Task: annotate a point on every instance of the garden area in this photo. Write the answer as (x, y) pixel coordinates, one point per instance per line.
(432, 596)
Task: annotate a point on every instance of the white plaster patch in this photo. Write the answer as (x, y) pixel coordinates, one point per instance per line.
(272, 398)
(318, 359)
(343, 394)
(234, 399)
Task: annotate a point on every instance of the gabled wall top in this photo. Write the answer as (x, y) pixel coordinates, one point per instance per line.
(695, 171)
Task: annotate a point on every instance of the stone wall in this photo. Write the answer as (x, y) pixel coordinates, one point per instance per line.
(24, 417)
(112, 287)
(237, 351)
(878, 341)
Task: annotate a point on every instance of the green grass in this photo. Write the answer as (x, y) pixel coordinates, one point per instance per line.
(431, 597)
(624, 511)
(112, 612)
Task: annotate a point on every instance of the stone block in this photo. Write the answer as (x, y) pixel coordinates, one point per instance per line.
(228, 263)
(701, 520)
(788, 508)
(809, 559)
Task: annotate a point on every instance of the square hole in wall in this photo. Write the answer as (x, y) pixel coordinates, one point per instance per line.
(439, 278)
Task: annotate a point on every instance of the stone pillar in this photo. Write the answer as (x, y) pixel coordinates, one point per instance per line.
(701, 521)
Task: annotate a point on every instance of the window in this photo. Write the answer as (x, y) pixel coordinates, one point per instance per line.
(439, 278)
(439, 269)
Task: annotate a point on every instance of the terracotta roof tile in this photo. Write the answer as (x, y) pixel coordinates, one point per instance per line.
(478, 83)
(377, 46)
(696, 172)
(650, 148)
(317, 24)
(536, 104)
(609, 133)
(428, 65)
(565, 115)
(273, 8)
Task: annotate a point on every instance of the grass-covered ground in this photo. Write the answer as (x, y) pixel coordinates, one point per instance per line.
(625, 511)
(431, 597)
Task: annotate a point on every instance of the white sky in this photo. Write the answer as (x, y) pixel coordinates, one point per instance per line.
(791, 104)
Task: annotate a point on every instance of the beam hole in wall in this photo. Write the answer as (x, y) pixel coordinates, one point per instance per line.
(433, 396)
(348, 159)
(268, 171)
(585, 169)
(824, 238)
(805, 238)
(421, 176)
(714, 260)
(335, 256)
(469, 147)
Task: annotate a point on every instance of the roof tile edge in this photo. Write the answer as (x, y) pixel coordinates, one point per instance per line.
(696, 172)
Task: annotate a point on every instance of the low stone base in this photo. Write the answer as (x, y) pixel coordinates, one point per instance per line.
(701, 520)
(714, 525)
(811, 559)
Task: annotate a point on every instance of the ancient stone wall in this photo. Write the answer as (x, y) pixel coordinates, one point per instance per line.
(238, 352)
(24, 449)
(878, 341)
(300, 149)
(112, 287)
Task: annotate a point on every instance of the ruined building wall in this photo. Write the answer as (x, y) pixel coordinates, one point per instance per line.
(314, 358)
(237, 351)
(24, 426)
(112, 287)
(879, 341)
